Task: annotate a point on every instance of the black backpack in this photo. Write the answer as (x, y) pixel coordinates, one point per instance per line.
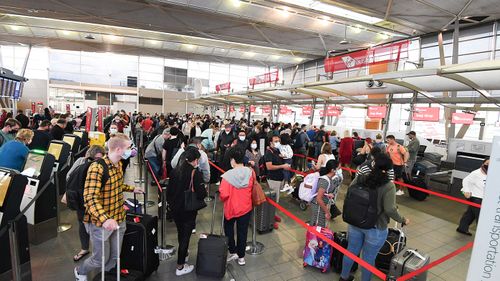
(76, 183)
(319, 136)
(360, 206)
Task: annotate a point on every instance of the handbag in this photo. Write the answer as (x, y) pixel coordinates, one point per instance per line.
(191, 201)
(258, 195)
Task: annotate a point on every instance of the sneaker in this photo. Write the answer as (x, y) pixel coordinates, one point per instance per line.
(79, 277)
(232, 257)
(187, 257)
(277, 218)
(275, 225)
(218, 183)
(185, 270)
(286, 187)
(193, 231)
(400, 192)
(241, 261)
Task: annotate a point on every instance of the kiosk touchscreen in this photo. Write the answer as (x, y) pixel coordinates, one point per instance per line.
(84, 136)
(61, 151)
(11, 193)
(41, 216)
(74, 141)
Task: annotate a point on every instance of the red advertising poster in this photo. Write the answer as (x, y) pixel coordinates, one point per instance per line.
(307, 110)
(264, 78)
(242, 109)
(377, 112)
(100, 120)
(462, 118)
(332, 110)
(222, 87)
(33, 107)
(89, 119)
(231, 108)
(266, 109)
(252, 108)
(283, 109)
(430, 114)
(68, 108)
(380, 54)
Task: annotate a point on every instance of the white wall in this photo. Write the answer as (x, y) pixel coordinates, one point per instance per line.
(35, 90)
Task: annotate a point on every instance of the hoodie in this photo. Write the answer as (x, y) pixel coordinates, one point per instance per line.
(236, 192)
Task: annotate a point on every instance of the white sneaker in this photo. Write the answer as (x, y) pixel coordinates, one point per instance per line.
(187, 257)
(185, 270)
(232, 257)
(218, 183)
(241, 261)
(400, 192)
(286, 187)
(80, 277)
(193, 231)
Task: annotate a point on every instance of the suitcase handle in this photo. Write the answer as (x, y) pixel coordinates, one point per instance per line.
(103, 258)
(213, 216)
(143, 205)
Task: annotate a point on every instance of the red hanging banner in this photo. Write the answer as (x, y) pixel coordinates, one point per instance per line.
(68, 108)
(266, 109)
(88, 118)
(242, 109)
(462, 118)
(380, 54)
(284, 109)
(430, 114)
(252, 108)
(33, 108)
(377, 112)
(222, 87)
(306, 110)
(100, 120)
(264, 78)
(332, 110)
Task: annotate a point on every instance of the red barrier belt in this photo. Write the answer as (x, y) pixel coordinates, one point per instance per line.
(341, 249)
(154, 176)
(216, 167)
(435, 263)
(438, 194)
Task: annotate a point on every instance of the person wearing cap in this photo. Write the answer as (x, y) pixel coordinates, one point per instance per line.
(413, 147)
(154, 150)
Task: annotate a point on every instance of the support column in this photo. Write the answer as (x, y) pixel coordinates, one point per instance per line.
(278, 112)
(323, 118)
(387, 115)
(454, 60)
(311, 118)
(410, 115)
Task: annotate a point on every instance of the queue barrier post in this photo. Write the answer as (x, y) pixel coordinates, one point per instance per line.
(139, 140)
(147, 202)
(61, 227)
(14, 252)
(254, 247)
(208, 198)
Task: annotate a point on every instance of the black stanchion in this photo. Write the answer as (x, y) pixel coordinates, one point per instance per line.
(61, 227)
(254, 247)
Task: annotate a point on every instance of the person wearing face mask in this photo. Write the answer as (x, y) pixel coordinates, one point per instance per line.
(9, 130)
(224, 141)
(473, 189)
(412, 148)
(275, 166)
(185, 176)
(104, 206)
(204, 166)
(242, 142)
(253, 155)
(113, 130)
(13, 153)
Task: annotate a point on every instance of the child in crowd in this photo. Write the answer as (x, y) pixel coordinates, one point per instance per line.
(286, 153)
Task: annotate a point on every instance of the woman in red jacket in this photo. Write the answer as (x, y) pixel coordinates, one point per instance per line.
(236, 193)
(345, 149)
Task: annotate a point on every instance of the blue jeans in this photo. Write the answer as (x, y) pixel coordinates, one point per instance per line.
(368, 240)
(287, 175)
(155, 166)
(317, 149)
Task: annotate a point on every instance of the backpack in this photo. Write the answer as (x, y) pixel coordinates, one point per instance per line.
(76, 183)
(308, 189)
(298, 144)
(360, 206)
(319, 136)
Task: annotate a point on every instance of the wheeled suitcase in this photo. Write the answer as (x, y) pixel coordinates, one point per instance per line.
(215, 173)
(433, 157)
(212, 251)
(318, 253)
(139, 243)
(424, 167)
(337, 257)
(407, 261)
(394, 244)
(265, 213)
(417, 181)
(116, 274)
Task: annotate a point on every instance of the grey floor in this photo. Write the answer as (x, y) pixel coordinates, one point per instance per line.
(432, 230)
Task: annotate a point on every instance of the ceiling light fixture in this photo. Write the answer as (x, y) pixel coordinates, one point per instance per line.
(66, 32)
(249, 54)
(236, 3)
(15, 27)
(298, 59)
(189, 46)
(324, 20)
(112, 37)
(384, 36)
(275, 57)
(284, 12)
(153, 42)
(222, 50)
(355, 29)
(89, 37)
(345, 41)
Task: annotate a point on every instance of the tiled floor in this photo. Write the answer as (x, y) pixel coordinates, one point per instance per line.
(281, 259)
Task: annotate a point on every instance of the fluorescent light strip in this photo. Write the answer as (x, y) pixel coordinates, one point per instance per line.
(334, 10)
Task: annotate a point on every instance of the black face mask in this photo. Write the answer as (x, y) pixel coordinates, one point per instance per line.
(13, 132)
(485, 168)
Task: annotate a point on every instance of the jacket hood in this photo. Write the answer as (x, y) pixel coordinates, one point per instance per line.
(239, 177)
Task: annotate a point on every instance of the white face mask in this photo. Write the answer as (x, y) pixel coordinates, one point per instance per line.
(242, 138)
(228, 131)
(113, 131)
(253, 146)
(277, 145)
(127, 154)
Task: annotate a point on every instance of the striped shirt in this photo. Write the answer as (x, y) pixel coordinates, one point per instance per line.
(366, 168)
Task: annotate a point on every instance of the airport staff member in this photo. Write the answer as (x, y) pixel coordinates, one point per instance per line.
(473, 190)
(413, 147)
(104, 205)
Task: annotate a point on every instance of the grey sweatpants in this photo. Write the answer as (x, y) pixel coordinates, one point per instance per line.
(110, 241)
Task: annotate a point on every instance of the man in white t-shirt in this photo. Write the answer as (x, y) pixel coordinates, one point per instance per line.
(473, 190)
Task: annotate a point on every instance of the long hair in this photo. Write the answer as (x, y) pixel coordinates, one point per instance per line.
(332, 164)
(379, 174)
(183, 167)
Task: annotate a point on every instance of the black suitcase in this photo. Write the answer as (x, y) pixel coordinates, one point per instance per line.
(433, 157)
(211, 260)
(139, 244)
(394, 243)
(424, 167)
(215, 173)
(417, 181)
(337, 257)
(265, 213)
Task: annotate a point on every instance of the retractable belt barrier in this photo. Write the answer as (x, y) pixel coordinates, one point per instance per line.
(350, 255)
(462, 201)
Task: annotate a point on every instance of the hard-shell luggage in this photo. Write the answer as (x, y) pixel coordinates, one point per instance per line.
(417, 181)
(265, 213)
(318, 253)
(215, 173)
(424, 167)
(212, 251)
(337, 257)
(407, 261)
(394, 244)
(117, 273)
(433, 157)
(139, 243)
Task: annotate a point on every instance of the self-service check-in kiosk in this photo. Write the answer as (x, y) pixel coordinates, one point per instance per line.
(74, 141)
(13, 226)
(84, 136)
(42, 215)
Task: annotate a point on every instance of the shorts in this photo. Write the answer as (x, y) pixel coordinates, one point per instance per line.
(398, 172)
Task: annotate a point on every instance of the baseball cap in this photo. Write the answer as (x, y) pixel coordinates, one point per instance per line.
(412, 133)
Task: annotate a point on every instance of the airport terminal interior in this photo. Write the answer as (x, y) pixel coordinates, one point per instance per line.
(325, 131)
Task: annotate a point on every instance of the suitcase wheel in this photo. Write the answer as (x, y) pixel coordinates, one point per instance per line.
(304, 264)
(323, 270)
(303, 205)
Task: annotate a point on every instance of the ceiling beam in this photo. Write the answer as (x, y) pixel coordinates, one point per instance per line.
(388, 10)
(470, 83)
(336, 92)
(312, 94)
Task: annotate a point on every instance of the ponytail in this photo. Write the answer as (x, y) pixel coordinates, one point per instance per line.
(379, 174)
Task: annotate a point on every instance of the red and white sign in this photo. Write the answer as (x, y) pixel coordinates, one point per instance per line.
(266, 109)
(231, 108)
(264, 78)
(68, 108)
(307, 110)
(88, 119)
(377, 112)
(100, 119)
(222, 87)
(430, 114)
(284, 109)
(252, 108)
(33, 107)
(332, 110)
(242, 109)
(462, 118)
(380, 54)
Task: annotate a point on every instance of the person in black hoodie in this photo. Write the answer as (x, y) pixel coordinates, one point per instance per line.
(23, 119)
(226, 138)
(57, 131)
(183, 176)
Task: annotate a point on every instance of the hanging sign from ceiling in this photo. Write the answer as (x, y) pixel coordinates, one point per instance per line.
(430, 114)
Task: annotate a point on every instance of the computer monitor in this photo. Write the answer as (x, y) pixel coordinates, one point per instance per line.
(4, 186)
(69, 140)
(55, 149)
(34, 161)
